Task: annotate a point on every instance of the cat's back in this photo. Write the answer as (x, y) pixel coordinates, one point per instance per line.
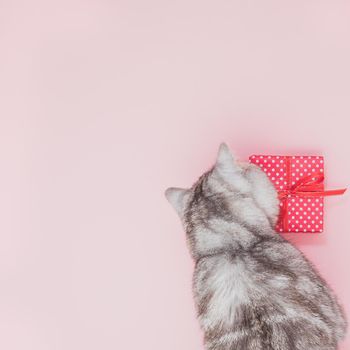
(221, 284)
(252, 300)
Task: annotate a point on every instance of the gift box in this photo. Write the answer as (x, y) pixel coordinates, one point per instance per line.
(299, 181)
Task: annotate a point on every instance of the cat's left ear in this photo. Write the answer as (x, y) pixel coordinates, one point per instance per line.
(177, 198)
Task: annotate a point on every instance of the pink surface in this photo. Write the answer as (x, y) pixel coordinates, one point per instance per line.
(107, 103)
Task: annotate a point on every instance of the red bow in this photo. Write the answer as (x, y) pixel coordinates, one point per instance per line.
(308, 186)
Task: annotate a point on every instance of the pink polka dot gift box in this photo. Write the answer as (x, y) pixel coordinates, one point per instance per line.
(299, 181)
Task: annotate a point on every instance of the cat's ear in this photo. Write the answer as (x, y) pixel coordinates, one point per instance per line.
(226, 162)
(230, 170)
(177, 198)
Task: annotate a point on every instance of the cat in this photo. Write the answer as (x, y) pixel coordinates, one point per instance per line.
(253, 289)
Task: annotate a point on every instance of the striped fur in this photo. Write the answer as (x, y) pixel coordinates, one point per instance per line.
(253, 290)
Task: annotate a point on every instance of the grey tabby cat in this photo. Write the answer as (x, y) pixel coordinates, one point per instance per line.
(253, 289)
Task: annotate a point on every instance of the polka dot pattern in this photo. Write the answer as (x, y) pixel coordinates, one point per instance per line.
(304, 214)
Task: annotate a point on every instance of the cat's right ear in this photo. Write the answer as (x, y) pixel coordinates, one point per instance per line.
(230, 170)
(177, 198)
(225, 161)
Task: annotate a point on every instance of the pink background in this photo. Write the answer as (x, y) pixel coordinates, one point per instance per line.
(104, 104)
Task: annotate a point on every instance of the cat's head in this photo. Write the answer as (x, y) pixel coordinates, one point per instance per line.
(231, 191)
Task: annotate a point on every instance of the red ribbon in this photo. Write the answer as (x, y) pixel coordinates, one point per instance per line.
(308, 186)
